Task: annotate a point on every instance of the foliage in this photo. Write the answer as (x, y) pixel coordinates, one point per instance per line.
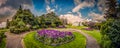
(111, 34)
(54, 37)
(50, 20)
(110, 29)
(2, 38)
(112, 9)
(22, 21)
(3, 43)
(78, 42)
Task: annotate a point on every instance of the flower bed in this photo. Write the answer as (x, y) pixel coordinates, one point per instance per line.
(54, 37)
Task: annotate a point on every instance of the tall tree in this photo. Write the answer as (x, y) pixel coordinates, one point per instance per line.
(112, 10)
(110, 29)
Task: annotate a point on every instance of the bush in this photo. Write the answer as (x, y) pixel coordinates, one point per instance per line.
(18, 30)
(35, 27)
(111, 34)
(2, 35)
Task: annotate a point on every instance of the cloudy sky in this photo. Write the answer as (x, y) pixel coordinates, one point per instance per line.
(82, 8)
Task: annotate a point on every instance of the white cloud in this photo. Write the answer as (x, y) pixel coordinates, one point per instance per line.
(48, 9)
(101, 5)
(71, 18)
(6, 10)
(56, 6)
(77, 2)
(79, 14)
(69, 12)
(97, 17)
(52, 1)
(2, 2)
(47, 2)
(82, 5)
(25, 6)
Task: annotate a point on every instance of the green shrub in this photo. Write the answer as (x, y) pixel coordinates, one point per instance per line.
(2, 34)
(18, 30)
(111, 34)
(2, 40)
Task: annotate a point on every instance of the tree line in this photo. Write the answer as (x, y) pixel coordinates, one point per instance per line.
(24, 20)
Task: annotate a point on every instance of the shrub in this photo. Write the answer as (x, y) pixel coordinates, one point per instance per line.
(18, 30)
(2, 35)
(111, 34)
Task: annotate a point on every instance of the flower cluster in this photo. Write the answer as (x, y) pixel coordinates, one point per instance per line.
(54, 37)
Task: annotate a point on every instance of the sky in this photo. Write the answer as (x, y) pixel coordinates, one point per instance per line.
(81, 8)
(62, 7)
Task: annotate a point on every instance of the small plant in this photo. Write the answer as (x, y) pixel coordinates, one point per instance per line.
(54, 37)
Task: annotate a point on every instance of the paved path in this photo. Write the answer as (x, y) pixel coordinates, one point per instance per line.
(14, 40)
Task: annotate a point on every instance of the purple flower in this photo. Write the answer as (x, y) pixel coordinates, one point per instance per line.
(53, 33)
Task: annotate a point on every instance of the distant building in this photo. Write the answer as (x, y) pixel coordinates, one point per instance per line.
(2, 24)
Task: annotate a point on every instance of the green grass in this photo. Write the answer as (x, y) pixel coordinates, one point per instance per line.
(94, 33)
(3, 43)
(4, 30)
(31, 42)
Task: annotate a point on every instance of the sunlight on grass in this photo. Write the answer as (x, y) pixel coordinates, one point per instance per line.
(78, 42)
(94, 33)
(3, 43)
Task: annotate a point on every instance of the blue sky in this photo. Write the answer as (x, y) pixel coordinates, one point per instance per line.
(64, 6)
(84, 8)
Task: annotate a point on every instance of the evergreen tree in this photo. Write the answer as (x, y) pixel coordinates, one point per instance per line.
(112, 10)
(22, 19)
(110, 29)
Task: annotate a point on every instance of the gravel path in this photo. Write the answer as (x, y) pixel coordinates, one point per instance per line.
(14, 40)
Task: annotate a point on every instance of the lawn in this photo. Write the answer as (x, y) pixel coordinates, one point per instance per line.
(4, 30)
(94, 33)
(3, 43)
(31, 42)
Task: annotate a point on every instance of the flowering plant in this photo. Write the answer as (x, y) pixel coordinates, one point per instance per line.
(54, 37)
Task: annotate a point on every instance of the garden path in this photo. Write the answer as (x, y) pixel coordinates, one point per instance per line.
(14, 40)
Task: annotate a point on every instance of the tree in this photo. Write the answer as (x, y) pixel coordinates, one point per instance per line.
(110, 29)
(111, 11)
(21, 20)
(50, 20)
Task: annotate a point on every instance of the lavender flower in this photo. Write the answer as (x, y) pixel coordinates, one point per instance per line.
(53, 35)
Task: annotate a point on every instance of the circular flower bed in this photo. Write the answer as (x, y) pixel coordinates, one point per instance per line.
(54, 37)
